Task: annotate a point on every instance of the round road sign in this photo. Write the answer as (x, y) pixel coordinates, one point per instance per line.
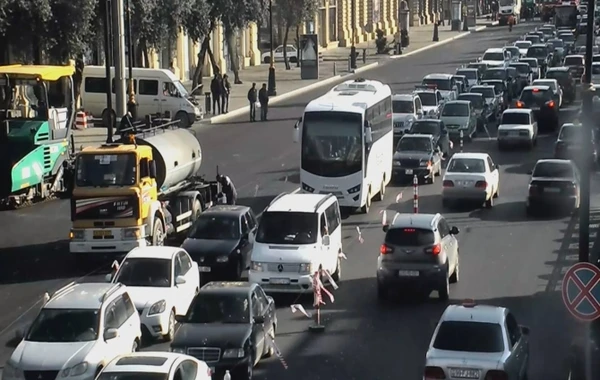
(581, 291)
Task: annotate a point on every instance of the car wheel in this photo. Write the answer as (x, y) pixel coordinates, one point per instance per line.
(497, 193)
(270, 349)
(136, 346)
(431, 178)
(245, 373)
(489, 203)
(267, 60)
(444, 291)
(337, 275)
(456, 275)
(237, 272)
(171, 328)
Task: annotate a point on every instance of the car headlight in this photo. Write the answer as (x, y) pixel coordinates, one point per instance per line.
(222, 259)
(178, 350)
(306, 268)
(12, 371)
(257, 266)
(397, 163)
(76, 370)
(234, 353)
(158, 307)
(354, 189)
(77, 235)
(130, 233)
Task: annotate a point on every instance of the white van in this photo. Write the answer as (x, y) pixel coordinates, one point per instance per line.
(296, 234)
(157, 91)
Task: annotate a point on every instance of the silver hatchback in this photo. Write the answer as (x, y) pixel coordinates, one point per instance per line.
(419, 250)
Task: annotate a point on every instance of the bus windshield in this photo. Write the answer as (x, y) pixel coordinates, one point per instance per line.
(332, 143)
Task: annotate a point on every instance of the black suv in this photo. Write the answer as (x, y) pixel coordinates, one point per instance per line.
(417, 154)
(435, 128)
(542, 54)
(542, 100)
(565, 80)
(503, 75)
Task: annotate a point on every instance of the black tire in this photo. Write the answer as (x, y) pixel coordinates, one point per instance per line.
(237, 270)
(381, 194)
(171, 332)
(270, 350)
(196, 209)
(489, 203)
(337, 275)
(365, 209)
(105, 118)
(245, 373)
(184, 120)
(455, 277)
(267, 60)
(444, 290)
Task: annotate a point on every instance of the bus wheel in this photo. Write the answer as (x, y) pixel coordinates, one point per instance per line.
(365, 209)
(381, 194)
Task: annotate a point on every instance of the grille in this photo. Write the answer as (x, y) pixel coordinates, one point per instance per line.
(408, 163)
(398, 124)
(206, 354)
(40, 375)
(289, 268)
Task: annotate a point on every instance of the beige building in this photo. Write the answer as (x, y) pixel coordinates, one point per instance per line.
(332, 22)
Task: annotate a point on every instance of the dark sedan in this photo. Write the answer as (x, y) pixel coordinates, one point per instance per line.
(502, 74)
(221, 241)
(435, 128)
(542, 54)
(543, 102)
(417, 155)
(553, 184)
(481, 108)
(569, 146)
(229, 326)
(565, 80)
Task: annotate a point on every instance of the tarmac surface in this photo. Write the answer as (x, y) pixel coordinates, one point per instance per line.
(506, 258)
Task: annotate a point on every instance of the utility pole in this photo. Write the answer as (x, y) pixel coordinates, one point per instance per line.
(107, 64)
(119, 55)
(353, 47)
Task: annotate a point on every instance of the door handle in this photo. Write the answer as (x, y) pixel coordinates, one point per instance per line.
(164, 100)
(156, 100)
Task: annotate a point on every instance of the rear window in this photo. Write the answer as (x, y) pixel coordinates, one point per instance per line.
(495, 74)
(403, 106)
(515, 118)
(409, 237)
(570, 133)
(573, 61)
(523, 44)
(567, 37)
(557, 43)
(469, 337)
(557, 74)
(476, 100)
(536, 97)
(595, 69)
(493, 57)
(470, 74)
(486, 92)
(522, 69)
(553, 170)
(537, 52)
(456, 109)
(531, 62)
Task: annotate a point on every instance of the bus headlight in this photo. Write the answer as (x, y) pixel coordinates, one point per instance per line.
(77, 235)
(306, 268)
(354, 190)
(130, 233)
(307, 188)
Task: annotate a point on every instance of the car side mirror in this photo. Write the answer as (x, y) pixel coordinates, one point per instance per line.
(245, 236)
(296, 134)
(420, 114)
(108, 277)
(259, 320)
(525, 330)
(454, 230)
(110, 334)
(180, 280)
(326, 240)
(180, 318)
(437, 150)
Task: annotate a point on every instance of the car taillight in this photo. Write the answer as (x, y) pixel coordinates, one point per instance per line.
(496, 375)
(448, 183)
(520, 104)
(434, 250)
(433, 373)
(481, 184)
(550, 104)
(385, 249)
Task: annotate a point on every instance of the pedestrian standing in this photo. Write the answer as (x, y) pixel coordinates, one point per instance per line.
(215, 88)
(252, 98)
(225, 91)
(263, 98)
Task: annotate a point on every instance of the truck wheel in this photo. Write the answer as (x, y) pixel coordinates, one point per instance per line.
(196, 209)
(184, 120)
(158, 233)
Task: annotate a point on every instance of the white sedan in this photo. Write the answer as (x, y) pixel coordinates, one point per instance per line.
(162, 282)
(518, 126)
(292, 54)
(155, 366)
(470, 177)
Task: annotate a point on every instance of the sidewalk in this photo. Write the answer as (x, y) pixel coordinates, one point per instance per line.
(331, 69)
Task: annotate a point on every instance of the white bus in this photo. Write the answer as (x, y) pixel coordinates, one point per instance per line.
(346, 139)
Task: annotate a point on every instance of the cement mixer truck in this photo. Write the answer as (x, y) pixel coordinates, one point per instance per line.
(137, 192)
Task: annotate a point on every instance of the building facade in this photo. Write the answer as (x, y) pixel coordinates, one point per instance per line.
(332, 23)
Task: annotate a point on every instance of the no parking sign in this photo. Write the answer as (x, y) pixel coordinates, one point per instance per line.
(581, 291)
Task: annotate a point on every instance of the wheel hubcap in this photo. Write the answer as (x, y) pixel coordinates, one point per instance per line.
(172, 323)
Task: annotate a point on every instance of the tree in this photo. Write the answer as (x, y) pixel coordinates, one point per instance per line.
(198, 26)
(69, 31)
(292, 13)
(25, 25)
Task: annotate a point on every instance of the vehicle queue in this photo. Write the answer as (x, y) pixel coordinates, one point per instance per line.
(227, 326)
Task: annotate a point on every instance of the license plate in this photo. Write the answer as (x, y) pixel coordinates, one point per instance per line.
(408, 171)
(465, 183)
(465, 373)
(408, 273)
(204, 269)
(551, 190)
(513, 133)
(101, 233)
(280, 281)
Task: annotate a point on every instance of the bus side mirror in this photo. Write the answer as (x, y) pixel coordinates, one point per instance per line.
(368, 135)
(152, 169)
(296, 135)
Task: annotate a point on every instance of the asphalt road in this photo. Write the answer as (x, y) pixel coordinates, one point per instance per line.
(506, 259)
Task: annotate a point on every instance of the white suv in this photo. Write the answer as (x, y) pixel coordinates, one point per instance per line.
(78, 331)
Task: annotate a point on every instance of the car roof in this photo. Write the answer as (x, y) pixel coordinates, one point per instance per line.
(424, 221)
(458, 102)
(553, 161)
(467, 69)
(524, 59)
(523, 41)
(560, 68)
(403, 96)
(537, 45)
(153, 252)
(483, 86)
(575, 55)
(481, 156)
(494, 50)
(533, 84)
(227, 210)
(472, 93)
(438, 76)
(518, 64)
(531, 88)
(150, 362)
(476, 313)
(228, 287)
(517, 110)
(438, 121)
(570, 125)
(297, 203)
(417, 136)
(88, 296)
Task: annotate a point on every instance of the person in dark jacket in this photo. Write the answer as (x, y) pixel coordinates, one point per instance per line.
(227, 188)
(216, 87)
(252, 98)
(225, 91)
(263, 99)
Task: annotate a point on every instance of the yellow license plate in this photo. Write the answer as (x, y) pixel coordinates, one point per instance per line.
(101, 234)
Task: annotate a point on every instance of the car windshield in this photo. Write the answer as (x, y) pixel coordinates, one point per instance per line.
(494, 74)
(133, 376)
(475, 99)
(456, 109)
(533, 39)
(426, 127)
(557, 43)
(515, 118)
(539, 97)
(219, 307)
(573, 61)
(403, 106)
(595, 69)
(570, 133)
(542, 82)
(64, 325)
(522, 68)
(441, 84)
(103, 170)
(409, 237)
(470, 74)
(523, 44)
(469, 337)
(493, 57)
(466, 165)
(214, 226)
(486, 92)
(149, 272)
(287, 228)
(413, 144)
(553, 170)
(428, 98)
(533, 63)
(537, 52)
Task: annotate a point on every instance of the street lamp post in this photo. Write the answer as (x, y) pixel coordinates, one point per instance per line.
(131, 103)
(272, 86)
(107, 64)
(353, 48)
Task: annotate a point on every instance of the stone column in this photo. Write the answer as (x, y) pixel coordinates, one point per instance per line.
(393, 15)
(325, 24)
(363, 19)
(421, 11)
(182, 55)
(253, 50)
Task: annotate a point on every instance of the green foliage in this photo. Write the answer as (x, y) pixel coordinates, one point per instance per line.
(236, 14)
(25, 23)
(198, 24)
(294, 12)
(69, 30)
